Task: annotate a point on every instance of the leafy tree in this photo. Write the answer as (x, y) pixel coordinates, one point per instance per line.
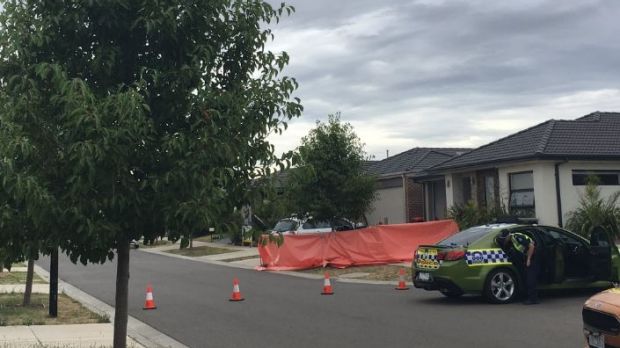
(594, 211)
(148, 118)
(272, 198)
(329, 181)
(18, 237)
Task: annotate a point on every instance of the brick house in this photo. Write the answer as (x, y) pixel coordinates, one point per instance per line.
(399, 198)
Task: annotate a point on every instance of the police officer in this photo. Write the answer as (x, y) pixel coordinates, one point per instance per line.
(528, 262)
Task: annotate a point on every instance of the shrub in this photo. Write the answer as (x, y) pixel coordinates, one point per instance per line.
(593, 211)
(469, 214)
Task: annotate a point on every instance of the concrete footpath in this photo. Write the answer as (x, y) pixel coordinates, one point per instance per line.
(79, 335)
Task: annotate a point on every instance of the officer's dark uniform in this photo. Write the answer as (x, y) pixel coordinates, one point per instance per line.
(521, 243)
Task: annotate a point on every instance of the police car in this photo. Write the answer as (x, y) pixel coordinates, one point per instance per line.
(471, 262)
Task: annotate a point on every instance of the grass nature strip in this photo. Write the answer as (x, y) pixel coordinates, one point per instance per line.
(379, 272)
(18, 278)
(200, 251)
(69, 311)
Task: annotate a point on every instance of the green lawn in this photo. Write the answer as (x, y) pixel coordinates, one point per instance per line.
(381, 272)
(200, 251)
(18, 278)
(69, 311)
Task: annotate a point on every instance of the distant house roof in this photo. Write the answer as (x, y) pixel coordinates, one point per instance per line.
(368, 165)
(413, 160)
(594, 136)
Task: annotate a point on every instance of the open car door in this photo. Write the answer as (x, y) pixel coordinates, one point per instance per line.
(601, 245)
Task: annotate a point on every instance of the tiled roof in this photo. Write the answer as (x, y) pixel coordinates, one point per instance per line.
(413, 160)
(596, 135)
(367, 166)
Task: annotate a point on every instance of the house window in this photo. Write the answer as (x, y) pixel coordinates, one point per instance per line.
(603, 177)
(522, 194)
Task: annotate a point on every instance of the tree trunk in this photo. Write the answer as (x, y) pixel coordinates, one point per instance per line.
(29, 277)
(122, 292)
(53, 301)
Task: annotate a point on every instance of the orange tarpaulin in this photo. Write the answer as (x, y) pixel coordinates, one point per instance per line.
(368, 246)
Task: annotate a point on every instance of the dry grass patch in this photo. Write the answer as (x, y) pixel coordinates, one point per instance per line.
(380, 272)
(69, 311)
(200, 251)
(18, 278)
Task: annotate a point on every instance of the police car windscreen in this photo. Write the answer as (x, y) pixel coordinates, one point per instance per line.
(466, 237)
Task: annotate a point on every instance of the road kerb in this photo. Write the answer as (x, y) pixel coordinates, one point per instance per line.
(139, 331)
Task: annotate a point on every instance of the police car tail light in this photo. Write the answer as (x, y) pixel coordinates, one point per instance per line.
(454, 255)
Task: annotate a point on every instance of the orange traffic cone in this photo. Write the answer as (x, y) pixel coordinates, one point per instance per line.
(149, 304)
(401, 281)
(327, 286)
(236, 294)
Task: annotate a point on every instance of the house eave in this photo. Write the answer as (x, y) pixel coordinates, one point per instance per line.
(496, 163)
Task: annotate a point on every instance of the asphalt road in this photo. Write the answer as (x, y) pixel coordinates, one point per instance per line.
(284, 311)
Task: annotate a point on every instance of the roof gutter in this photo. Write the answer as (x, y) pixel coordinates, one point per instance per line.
(558, 195)
(391, 175)
(538, 157)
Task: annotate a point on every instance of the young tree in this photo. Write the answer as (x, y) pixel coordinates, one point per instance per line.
(152, 117)
(330, 182)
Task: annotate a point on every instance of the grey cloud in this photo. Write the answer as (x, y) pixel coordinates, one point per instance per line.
(508, 55)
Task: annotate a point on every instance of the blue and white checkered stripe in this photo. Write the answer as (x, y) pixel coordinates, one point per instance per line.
(484, 257)
(427, 260)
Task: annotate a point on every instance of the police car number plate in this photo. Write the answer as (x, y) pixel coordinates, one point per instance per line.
(423, 276)
(596, 340)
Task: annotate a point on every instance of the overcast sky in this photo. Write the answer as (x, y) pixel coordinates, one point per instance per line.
(454, 73)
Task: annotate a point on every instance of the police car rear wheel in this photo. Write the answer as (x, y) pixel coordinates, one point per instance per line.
(501, 286)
